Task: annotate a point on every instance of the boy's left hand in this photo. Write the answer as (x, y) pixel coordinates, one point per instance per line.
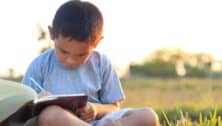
(87, 113)
(44, 93)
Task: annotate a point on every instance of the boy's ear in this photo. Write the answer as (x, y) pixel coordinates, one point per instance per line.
(51, 33)
(101, 38)
(98, 41)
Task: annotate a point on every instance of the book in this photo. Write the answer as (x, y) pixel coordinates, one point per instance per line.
(18, 102)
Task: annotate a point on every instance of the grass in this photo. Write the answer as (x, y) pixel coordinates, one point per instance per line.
(172, 93)
(197, 98)
(212, 120)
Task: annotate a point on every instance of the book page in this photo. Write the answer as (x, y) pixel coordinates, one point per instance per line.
(53, 97)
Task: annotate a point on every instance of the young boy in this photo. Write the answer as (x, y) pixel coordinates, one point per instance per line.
(74, 67)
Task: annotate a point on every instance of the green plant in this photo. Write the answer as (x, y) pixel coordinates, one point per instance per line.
(212, 120)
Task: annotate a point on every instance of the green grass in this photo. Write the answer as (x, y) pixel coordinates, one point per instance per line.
(185, 120)
(197, 98)
(172, 93)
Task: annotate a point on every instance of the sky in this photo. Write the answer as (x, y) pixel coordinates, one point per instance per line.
(132, 29)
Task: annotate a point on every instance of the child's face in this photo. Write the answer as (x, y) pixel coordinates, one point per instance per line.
(71, 52)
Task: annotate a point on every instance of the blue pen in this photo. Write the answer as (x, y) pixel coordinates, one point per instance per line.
(36, 84)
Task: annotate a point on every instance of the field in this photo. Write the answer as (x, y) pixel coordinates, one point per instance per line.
(189, 95)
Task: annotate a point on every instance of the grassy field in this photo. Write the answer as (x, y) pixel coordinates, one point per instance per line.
(189, 95)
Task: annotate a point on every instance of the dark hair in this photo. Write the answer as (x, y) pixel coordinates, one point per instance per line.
(78, 20)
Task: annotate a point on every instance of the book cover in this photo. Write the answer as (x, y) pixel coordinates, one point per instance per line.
(18, 102)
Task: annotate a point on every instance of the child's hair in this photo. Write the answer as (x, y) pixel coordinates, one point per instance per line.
(78, 20)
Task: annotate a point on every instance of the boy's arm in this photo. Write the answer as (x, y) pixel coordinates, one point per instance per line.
(103, 109)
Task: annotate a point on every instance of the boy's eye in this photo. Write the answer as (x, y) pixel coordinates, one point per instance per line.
(63, 51)
(84, 54)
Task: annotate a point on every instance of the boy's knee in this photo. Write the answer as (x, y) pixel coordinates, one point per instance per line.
(145, 116)
(150, 116)
(50, 115)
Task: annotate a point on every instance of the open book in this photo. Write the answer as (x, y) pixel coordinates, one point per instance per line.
(18, 102)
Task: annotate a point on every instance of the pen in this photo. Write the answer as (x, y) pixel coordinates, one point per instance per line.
(36, 84)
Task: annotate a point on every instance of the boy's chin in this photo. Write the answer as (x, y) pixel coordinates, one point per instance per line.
(71, 66)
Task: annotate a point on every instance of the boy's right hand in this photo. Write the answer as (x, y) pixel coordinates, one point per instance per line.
(44, 93)
(88, 113)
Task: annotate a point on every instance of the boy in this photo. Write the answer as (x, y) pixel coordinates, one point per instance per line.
(74, 67)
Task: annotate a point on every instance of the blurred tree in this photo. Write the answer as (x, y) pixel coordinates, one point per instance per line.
(11, 72)
(168, 54)
(156, 68)
(202, 60)
(196, 71)
(43, 37)
(172, 62)
(11, 75)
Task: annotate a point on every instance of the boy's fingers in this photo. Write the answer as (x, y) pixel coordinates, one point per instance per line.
(86, 109)
(86, 114)
(44, 93)
(87, 118)
(81, 110)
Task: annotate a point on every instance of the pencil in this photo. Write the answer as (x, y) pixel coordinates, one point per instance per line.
(37, 84)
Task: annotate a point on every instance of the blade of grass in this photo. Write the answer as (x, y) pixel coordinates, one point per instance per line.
(201, 119)
(165, 117)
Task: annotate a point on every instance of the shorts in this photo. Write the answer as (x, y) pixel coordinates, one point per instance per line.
(110, 116)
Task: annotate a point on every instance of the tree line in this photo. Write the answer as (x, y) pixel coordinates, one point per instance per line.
(174, 62)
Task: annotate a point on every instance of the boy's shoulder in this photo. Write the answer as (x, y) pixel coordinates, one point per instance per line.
(48, 53)
(98, 57)
(45, 57)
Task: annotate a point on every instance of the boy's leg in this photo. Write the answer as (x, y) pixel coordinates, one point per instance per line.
(136, 117)
(56, 116)
(140, 117)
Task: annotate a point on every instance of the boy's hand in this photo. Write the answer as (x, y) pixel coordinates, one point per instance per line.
(87, 113)
(44, 93)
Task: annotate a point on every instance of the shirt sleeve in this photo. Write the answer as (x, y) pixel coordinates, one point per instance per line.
(33, 71)
(111, 90)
